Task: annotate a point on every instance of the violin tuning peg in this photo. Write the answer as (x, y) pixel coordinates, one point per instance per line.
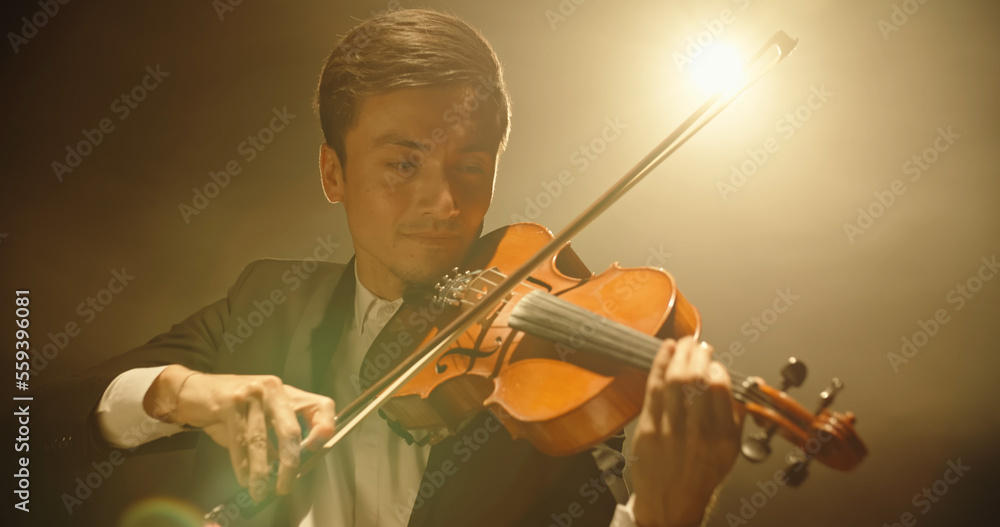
(756, 447)
(793, 374)
(827, 396)
(797, 471)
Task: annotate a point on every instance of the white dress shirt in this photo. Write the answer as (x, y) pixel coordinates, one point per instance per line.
(378, 465)
(370, 479)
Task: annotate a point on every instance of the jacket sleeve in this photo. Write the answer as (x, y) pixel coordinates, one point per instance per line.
(67, 429)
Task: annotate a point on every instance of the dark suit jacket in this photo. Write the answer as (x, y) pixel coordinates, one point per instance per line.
(267, 312)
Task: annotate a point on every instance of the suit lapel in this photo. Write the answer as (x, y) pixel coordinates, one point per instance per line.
(326, 336)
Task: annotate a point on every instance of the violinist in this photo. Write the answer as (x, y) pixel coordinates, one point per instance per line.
(415, 115)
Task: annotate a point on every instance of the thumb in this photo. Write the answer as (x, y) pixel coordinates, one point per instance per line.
(319, 413)
(219, 433)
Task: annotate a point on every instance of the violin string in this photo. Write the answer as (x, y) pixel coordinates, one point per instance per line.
(552, 318)
(524, 283)
(620, 344)
(749, 390)
(481, 277)
(484, 291)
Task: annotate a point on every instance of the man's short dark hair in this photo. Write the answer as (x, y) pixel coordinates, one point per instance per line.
(404, 49)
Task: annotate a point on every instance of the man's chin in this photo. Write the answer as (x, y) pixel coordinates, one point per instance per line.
(427, 263)
(427, 273)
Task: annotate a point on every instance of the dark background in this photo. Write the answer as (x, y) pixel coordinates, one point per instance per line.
(783, 228)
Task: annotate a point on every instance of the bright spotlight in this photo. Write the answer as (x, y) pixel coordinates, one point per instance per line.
(720, 68)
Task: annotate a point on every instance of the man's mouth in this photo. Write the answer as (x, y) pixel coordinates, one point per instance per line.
(434, 238)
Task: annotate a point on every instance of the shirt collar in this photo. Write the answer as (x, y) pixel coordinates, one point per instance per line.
(366, 303)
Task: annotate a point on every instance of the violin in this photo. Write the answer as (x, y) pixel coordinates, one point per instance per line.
(562, 360)
(560, 355)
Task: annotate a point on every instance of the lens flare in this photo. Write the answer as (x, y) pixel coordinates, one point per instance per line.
(719, 68)
(161, 512)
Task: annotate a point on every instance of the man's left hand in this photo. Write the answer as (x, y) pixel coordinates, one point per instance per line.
(687, 436)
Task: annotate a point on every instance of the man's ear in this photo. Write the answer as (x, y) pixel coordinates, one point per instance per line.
(331, 172)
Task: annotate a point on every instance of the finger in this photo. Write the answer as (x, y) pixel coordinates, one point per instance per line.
(700, 398)
(701, 417)
(678, 377)
(281, 415)
(700, 358)
(689, 345)
(236, 423)
(321, 415)
(726, 411)
(739, 410)
(256, 443)
(663, 358)
(656, 383)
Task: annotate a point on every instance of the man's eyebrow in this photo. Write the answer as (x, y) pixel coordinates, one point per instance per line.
(393, 138)
(479, 148)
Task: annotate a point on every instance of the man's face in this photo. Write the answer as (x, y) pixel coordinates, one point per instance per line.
(417, 182)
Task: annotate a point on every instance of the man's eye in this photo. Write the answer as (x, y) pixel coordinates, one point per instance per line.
(402, 166)
(473, 169)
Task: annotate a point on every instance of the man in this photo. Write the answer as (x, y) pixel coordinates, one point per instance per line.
(414, 114)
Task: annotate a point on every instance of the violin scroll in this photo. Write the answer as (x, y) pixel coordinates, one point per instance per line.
(826, 436)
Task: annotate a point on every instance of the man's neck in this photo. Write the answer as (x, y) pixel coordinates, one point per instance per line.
(377, 278)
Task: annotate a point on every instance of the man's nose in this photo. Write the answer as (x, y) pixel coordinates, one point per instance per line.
(436, 193)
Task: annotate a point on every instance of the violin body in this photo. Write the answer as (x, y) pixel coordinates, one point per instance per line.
(561, 400)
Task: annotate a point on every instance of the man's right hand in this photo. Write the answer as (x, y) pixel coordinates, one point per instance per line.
(238, 412)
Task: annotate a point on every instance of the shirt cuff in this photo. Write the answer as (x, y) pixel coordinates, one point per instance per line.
(624, 517)
(123, 421)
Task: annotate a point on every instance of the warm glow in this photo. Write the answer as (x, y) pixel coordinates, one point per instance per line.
(720, 68)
